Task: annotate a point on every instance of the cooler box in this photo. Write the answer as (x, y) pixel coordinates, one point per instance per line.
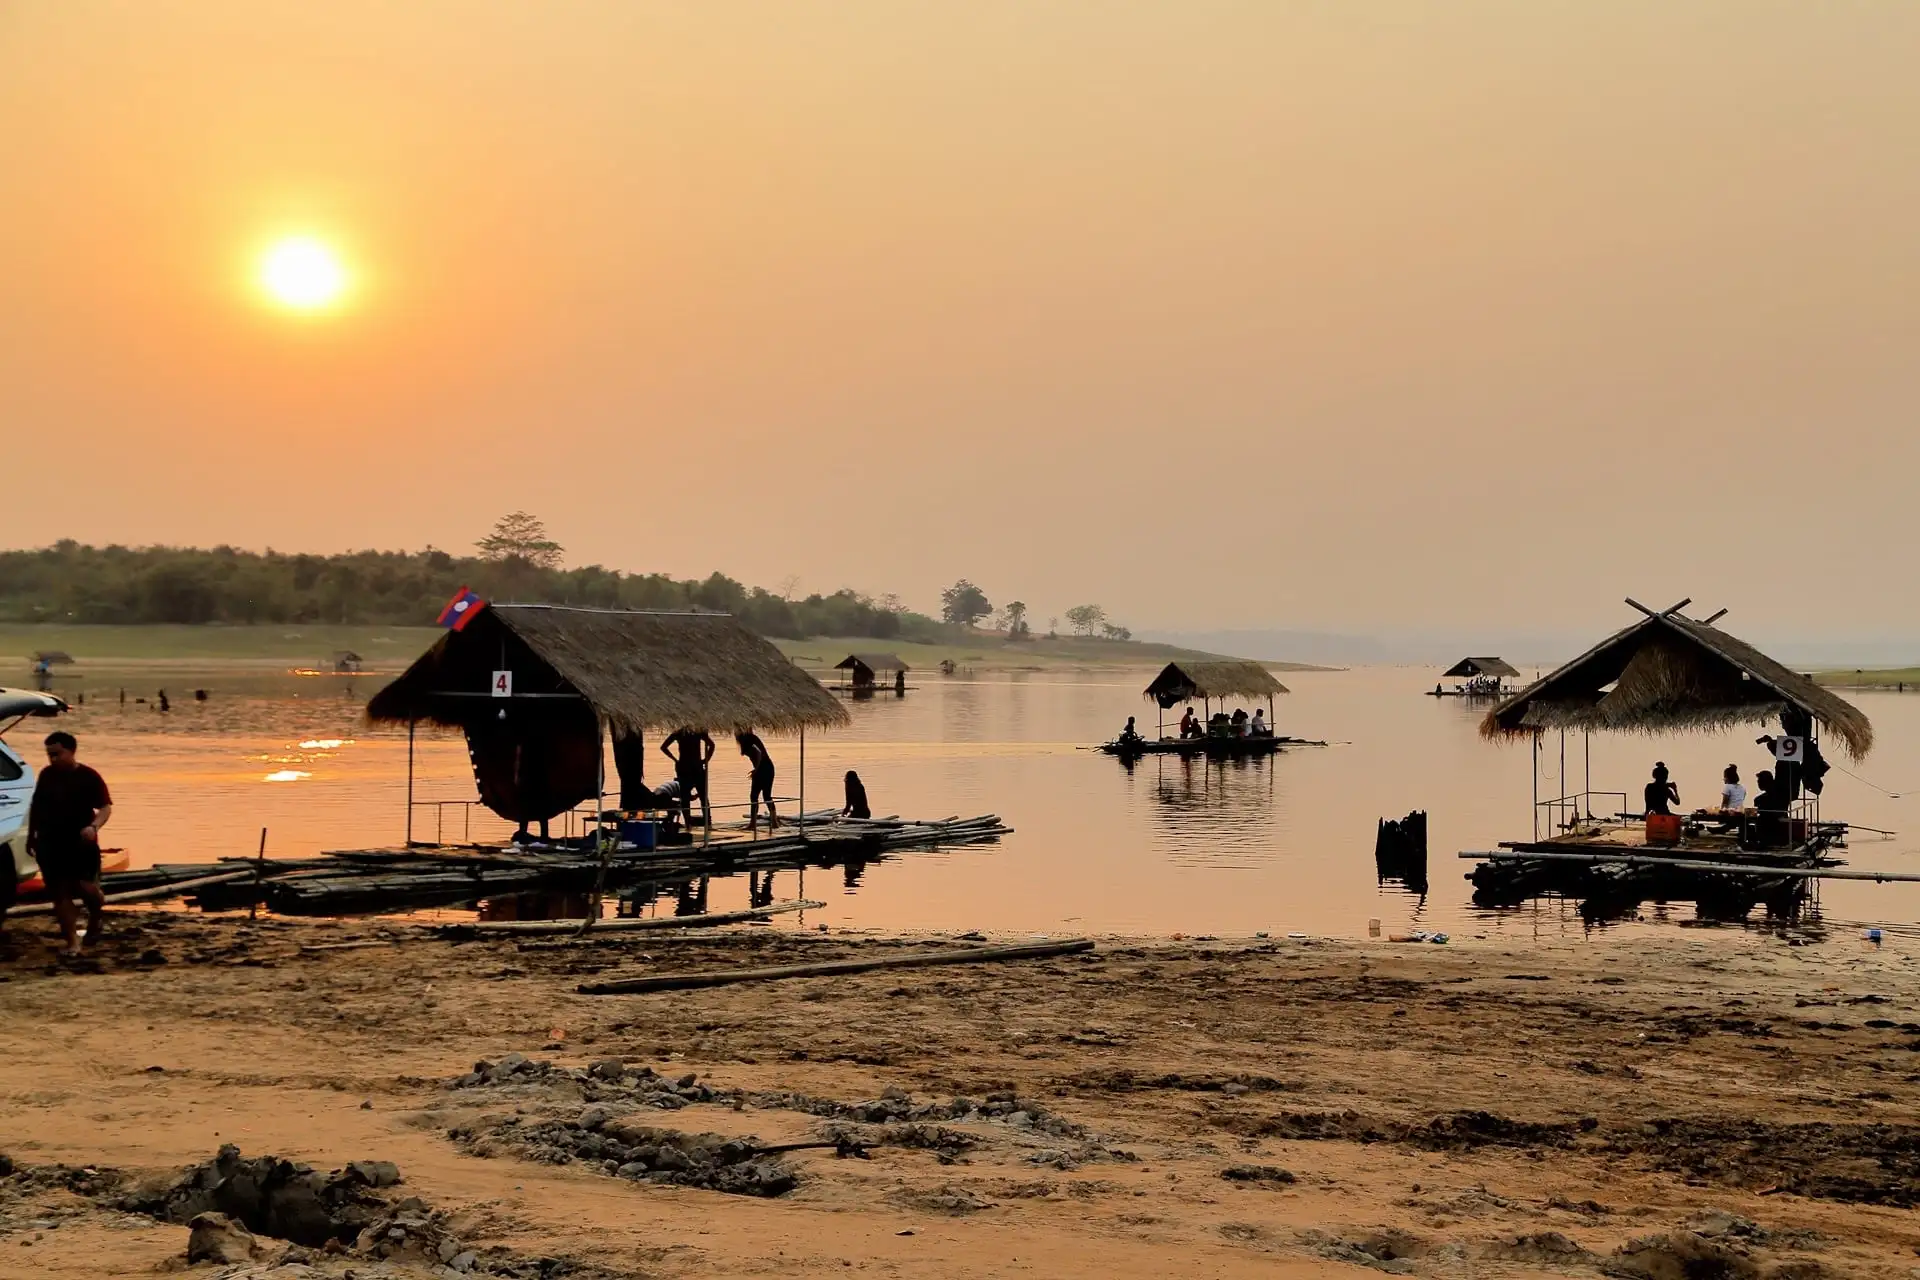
(1663, 828)
(641, 834)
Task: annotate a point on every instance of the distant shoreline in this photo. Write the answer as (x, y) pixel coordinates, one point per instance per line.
(384, 648)
(1894, 678)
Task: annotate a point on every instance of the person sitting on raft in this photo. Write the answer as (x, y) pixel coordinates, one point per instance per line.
(1259, 727)
(1129, 736)
(856, 806)
(1770, 831)
(1190, 724)
(1733, 796)
(1661, 793)
(1239, 722)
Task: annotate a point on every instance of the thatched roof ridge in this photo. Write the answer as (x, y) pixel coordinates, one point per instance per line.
(1480, 667)
(639, 670)
(1224, 678)
(872, 662)
(1667, 673)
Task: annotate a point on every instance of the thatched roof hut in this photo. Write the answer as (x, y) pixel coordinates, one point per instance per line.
(1468, 668)
(1668, 672)
(52, 658)
(1181, 681)
(636, 670)
(870, 663)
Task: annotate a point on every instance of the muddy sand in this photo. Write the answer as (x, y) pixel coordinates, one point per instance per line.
(1704, 1104)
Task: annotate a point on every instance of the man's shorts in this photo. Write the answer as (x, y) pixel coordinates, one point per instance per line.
(67, 861)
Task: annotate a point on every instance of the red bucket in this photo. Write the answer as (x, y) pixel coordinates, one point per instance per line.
(1663, 828)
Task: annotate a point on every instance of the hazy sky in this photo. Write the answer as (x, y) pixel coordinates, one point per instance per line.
(1353, 314)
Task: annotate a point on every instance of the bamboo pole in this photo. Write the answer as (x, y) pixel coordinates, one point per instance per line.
(177, 889)
(534, 928)
(825, 968)
(1691, 864)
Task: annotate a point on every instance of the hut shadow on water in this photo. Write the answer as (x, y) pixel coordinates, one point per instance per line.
(1215, 812)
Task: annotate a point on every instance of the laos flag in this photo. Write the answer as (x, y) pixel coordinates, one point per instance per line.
(461, 610)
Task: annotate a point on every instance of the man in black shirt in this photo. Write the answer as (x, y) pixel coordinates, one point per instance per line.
(695, 748)
(70, 805)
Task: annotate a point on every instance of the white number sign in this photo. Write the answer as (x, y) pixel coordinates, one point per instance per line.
(1789, 750)
(502, 684)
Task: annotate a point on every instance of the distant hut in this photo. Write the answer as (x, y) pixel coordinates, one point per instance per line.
(1222, 679)
(1473, 668)
(45, 660)
(1479, 677)
(533, 685)
(864, 671)
(346, 662)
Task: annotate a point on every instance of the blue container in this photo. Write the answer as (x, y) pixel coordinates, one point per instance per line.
(640, 834)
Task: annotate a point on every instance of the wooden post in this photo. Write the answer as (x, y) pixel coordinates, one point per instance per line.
(259, 870)
(410, 726)
(803, 782)
(1536, 784)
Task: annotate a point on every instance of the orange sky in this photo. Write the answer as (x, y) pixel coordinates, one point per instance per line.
(1261, 313)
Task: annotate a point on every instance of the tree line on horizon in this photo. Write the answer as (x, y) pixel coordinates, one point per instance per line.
(70, 582)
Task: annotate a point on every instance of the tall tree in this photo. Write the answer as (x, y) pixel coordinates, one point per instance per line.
(964, 604)
(520, 537)
(1017, 628)
(1086, 619)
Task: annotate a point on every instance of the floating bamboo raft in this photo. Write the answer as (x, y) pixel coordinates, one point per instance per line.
(1210, 746)
(1608, 877)
(371, 881)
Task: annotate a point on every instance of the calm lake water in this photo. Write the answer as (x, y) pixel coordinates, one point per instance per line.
(1279, 845)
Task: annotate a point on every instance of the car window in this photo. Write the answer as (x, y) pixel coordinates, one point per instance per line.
(10, 769)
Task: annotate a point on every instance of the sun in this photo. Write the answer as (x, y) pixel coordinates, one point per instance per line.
(302, 273)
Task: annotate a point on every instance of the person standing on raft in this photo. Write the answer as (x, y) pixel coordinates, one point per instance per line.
(760, 782)
(695, 747)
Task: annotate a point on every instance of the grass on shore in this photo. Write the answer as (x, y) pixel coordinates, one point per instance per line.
(297, 645)
(390, 648)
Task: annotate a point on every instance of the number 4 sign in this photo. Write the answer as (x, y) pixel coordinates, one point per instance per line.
(502, 686)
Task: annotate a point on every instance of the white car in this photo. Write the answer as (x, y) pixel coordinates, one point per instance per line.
(16, 787)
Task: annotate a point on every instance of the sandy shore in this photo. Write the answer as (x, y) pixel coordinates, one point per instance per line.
(1705, 1104)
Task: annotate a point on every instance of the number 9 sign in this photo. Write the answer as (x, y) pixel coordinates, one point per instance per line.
(1789, 750)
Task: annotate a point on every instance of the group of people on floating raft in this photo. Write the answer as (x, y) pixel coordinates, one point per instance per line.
(692, 751)
(1222, 725)
(1779, 787)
